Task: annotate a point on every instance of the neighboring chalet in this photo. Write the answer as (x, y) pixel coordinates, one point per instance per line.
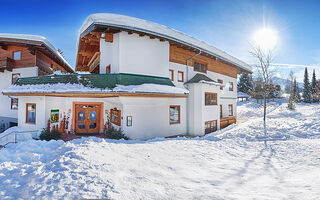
(242, 96)
(147, 79)
(24, 56)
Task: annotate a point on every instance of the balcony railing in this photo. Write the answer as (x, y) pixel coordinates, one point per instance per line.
(224, 122)
(6, 63)
(94, 63)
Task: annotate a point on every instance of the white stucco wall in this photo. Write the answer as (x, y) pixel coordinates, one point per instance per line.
(150, 115)
(5, 83)
(41, 119)
(134, 54)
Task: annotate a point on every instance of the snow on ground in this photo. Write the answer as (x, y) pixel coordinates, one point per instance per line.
(230, 164)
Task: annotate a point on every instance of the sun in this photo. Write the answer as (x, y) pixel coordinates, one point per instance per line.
(265, 38)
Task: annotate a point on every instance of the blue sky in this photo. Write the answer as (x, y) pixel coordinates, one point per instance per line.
(228, 25)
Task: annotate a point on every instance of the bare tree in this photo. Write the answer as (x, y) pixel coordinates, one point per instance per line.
(264, 58)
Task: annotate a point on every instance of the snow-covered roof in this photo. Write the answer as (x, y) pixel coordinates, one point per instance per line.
(79, 88)
(35, 40)
(132, 23)
(94, 83)
(242, 95)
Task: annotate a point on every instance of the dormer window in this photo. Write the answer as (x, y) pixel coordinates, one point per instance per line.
(200, 67)
(17, 55)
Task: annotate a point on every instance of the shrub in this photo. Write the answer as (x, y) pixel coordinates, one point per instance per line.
(50, 135)
(117, 134)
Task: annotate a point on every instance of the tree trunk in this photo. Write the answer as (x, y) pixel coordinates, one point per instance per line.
(264, 107)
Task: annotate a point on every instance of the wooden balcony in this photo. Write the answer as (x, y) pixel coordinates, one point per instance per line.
(94, 63)
(6, 63)
(224, 122)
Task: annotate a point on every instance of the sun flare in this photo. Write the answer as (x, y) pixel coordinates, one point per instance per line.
(265, 38)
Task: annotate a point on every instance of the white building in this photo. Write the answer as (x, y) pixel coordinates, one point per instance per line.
(23, 56)
(150, 81)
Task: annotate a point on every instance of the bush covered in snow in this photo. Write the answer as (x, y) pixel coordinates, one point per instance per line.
(116, 134)
(50, 135)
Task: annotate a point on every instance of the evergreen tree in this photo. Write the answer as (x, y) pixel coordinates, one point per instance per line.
(306, 89)
(245, 83)
(296, 91)
(314, 88)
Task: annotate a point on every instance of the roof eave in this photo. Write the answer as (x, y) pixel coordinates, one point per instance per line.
(93, 26)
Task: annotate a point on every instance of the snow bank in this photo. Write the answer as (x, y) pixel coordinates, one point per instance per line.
(15, 134)
(230, 164)
(79, 88)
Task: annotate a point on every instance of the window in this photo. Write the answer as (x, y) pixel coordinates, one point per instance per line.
(171, 74)
(31, 113)
(220, 111)
(15, 78)
(210, 98)
(230, 86)
(129, 120)
(210, 126)
(17, 55)
(180, 76)
(115, 116)
(200, 67)
(230, 109)
(108, 69)
(174, 112)
(14, 104)
(220, 81)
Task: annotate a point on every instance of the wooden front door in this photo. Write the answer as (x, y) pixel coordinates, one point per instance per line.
(87, 118)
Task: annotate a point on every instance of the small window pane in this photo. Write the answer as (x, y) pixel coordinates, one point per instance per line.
(203, 68)
(174, 114)
(196, 66)
(92, 125)
(180, 76)
(93, 115)
(129, 120)
(81, 115)
(17, 55)
(171, 75)
(14, 104)
(81, 126)
(31, 113)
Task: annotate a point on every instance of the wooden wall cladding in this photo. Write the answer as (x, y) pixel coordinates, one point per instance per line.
(27, 59)
(180, 55)
(44, 62)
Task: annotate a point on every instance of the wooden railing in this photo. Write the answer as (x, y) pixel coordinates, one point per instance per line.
(224, 122)
(6, 63)
(94, 62)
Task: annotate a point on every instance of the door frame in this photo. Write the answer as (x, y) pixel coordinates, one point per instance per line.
(73, 123)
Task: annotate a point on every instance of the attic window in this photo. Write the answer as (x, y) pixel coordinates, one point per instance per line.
(200, 67)
(17, 55)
